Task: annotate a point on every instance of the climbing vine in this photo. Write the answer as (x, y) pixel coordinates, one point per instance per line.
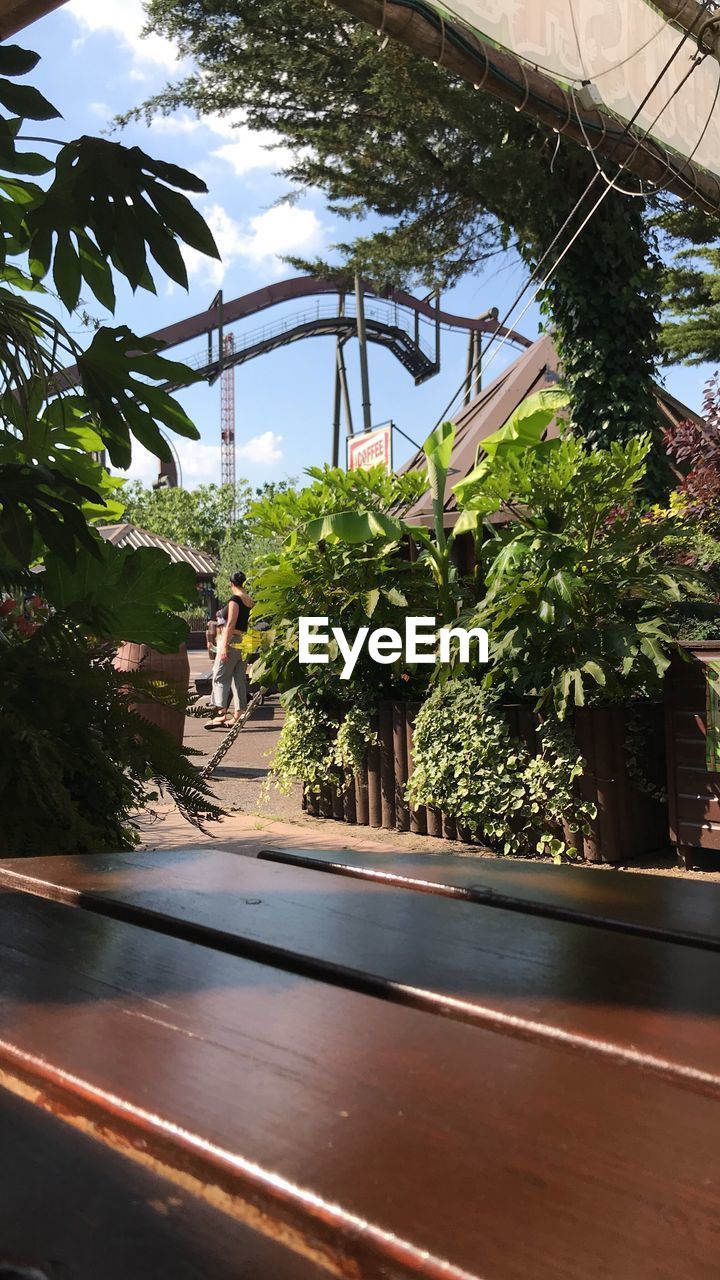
(320, 746)
(468, 765)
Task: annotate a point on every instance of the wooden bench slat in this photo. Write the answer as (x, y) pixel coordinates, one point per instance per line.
(652, 905)
(649, 1002)
(400, 1143)
(73, 1209)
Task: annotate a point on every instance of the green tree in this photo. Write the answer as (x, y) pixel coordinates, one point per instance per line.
(691, 285)
(199, 518)
(367, 580)
(456, 176)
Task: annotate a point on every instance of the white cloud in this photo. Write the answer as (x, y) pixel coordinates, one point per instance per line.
(254, 150)
(143, 467)
(260, 243)
(282, 230)
(126, 20)
(200, 462)
(181, 123)
(246, 150)
(262, 450)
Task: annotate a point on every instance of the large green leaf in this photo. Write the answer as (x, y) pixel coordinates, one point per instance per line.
(101, 194)
(438, 452)
(354, 527)
(124, 594)
(23, 100)
(114, 371)
(524, 429)
(15, 61)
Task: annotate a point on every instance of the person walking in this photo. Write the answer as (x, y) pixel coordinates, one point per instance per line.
(229, 667)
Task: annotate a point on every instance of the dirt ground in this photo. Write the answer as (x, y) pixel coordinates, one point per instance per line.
(259, 815)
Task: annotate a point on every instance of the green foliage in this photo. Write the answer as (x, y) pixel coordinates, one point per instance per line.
(578, 589)
(455, 176)
(101, 209)
(304, 752)
(123, 594)
(243, 549)
(199, 518)
(202, 518)
(78, 774)
(374, 525)
(322, 743)
(602, 304)
(468, 765)
(354, 584)
(76, 757)
(694, 543)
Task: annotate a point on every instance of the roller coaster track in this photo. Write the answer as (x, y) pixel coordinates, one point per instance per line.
(393, 320)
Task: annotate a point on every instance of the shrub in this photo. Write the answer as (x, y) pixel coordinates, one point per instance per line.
(468, 765)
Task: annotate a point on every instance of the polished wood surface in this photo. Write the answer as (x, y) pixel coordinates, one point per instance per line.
(17, 14)
(632, 997)
(377, 1081)
(365, 1132)
(71, 1208)
(652, 905)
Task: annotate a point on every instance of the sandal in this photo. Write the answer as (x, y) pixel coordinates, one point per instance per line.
(219, 721)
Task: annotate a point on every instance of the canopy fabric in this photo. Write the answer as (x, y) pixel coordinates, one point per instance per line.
(622, 47)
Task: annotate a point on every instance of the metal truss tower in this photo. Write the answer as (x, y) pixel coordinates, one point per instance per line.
(227, 418)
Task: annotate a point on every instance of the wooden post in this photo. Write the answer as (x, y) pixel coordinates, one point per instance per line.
(362, 805)
(387, 766)
(418, 817)
(374, 796)
(400, 761)
(349, 809)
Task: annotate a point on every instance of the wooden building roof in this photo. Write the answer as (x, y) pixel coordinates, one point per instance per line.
(128, 535)
(534, 370)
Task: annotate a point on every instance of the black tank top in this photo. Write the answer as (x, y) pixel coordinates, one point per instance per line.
(243, 613)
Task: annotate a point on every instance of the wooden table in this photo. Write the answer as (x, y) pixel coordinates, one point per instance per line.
(307, 1064)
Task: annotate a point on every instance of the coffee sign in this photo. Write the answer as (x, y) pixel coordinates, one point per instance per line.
(371, 449)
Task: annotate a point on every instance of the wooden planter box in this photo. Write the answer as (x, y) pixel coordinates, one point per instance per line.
(172, 667)
(693, 791)
(629, 823)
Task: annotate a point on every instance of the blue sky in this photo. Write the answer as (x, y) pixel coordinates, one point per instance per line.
(94, 65)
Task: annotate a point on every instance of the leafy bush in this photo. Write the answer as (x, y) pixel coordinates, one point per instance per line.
(75, 757)
(468, 765)
(82, 758)
(579, 590)
(321, 745)
(697, 450)
(354, 585)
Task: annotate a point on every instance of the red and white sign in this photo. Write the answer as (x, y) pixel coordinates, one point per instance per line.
(371, 449)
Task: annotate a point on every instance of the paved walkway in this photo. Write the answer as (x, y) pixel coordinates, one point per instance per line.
(257, 813)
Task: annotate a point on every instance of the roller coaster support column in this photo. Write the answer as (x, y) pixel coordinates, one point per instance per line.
(362, 343)
(342, 371)
(473, 381)
(337, 406)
